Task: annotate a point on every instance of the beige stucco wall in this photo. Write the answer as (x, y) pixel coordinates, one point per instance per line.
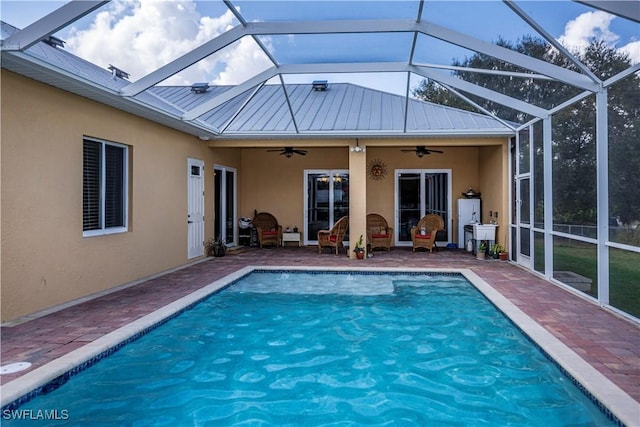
(269, 182)
(45, 259)
(274, 183)
(494, 185)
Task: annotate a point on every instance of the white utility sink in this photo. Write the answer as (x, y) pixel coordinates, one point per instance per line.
(484, 231)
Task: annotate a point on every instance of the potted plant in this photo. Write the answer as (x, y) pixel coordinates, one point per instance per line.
(216, 247)
(503, 254)
(496, 250)
(482, 248)
(359, 248)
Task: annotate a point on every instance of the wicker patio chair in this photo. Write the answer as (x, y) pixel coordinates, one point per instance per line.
(423, 235)
(268, 230)
(333, 238)
(379, 234)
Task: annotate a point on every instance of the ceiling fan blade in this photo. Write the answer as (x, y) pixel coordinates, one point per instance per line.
(434, 151)
(289, 151)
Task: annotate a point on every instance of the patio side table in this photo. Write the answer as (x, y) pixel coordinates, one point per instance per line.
(290, 237)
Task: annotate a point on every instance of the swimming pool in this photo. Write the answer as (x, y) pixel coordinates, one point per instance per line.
(333, 349)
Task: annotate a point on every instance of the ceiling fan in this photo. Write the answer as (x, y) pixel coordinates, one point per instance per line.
(421, 150)
(290, 151)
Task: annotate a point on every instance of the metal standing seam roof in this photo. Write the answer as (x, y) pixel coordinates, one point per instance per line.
(341, 109)
(256, 109)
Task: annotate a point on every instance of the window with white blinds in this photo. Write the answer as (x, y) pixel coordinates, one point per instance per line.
(104, 206)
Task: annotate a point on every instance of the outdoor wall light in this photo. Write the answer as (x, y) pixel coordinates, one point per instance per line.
(357, 148)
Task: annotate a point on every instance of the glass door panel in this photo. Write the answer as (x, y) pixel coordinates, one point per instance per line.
(230, 214)
(225, 209)
(437, 201)
(409, 204)
(217, 203)
(327, 200)
(340, 198)
(523, 216)
(317, 217)
(525, 202)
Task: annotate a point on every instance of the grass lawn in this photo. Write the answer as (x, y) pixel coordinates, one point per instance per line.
(624, 275)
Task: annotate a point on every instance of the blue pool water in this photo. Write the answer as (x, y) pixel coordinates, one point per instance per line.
(289, 348)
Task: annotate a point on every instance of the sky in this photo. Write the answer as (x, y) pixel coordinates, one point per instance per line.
(141, 38)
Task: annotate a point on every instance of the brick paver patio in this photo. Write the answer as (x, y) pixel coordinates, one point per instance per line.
(607, 342)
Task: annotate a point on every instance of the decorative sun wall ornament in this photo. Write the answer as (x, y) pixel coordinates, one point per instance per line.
(377, 169)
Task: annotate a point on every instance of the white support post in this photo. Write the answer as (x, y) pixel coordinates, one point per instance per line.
(548, 196)
(602, 170)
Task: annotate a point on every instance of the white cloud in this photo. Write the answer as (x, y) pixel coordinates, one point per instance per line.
(633, 51)
(580, 32)
(141, 38)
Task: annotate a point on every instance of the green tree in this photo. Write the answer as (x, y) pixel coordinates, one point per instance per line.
(574, 127)
(543, 93)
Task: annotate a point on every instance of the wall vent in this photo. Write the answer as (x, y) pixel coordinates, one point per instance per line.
(319, 85)
(199, 87)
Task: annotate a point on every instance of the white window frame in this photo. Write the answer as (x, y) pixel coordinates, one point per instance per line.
(125, 190)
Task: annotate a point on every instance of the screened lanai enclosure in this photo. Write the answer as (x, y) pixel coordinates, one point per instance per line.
(239, 73)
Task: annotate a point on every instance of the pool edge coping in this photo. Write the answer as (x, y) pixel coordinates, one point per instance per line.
(611, 396)
(31, 381)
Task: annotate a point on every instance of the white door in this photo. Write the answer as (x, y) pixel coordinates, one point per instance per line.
(195, 208)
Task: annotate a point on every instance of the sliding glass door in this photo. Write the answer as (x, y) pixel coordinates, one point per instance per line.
(326, 201)
(420, 192)
(225, 209)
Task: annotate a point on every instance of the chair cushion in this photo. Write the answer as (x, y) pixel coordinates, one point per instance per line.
(380, 236)
(333, 238)
(269, 233)
(423, 236)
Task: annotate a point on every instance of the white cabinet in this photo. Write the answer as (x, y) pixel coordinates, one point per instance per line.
(468, 213)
